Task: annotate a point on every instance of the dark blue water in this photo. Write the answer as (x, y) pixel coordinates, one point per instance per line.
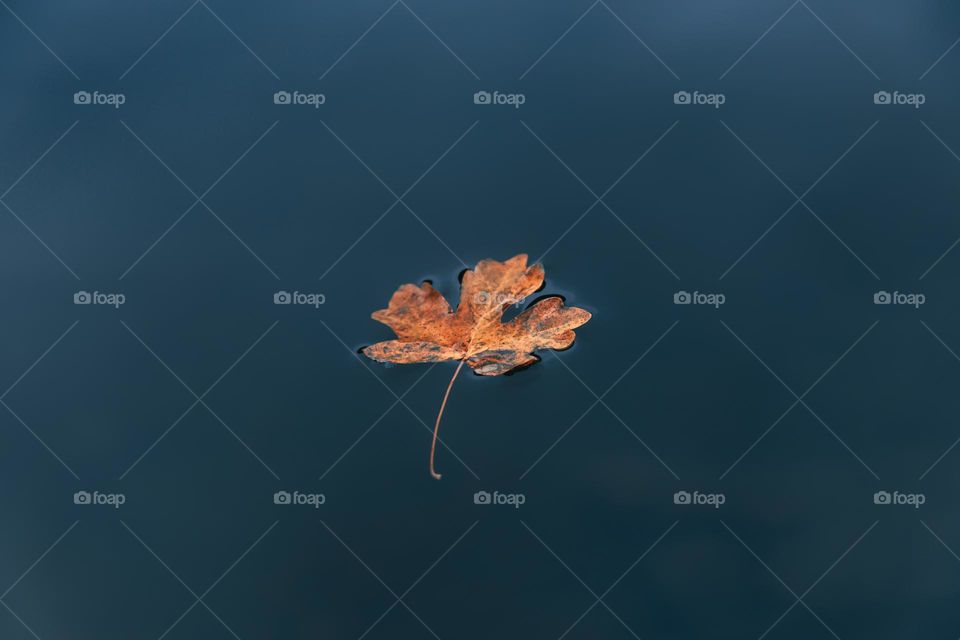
(793, 403)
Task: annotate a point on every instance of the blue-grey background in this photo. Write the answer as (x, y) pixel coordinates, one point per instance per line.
(199, 520)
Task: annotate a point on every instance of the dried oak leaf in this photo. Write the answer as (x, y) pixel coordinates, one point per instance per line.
(428, 330)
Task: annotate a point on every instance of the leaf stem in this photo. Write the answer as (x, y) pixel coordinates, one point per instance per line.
(436, 427)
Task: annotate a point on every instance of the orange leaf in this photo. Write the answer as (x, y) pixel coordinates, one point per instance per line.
(428, 330)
